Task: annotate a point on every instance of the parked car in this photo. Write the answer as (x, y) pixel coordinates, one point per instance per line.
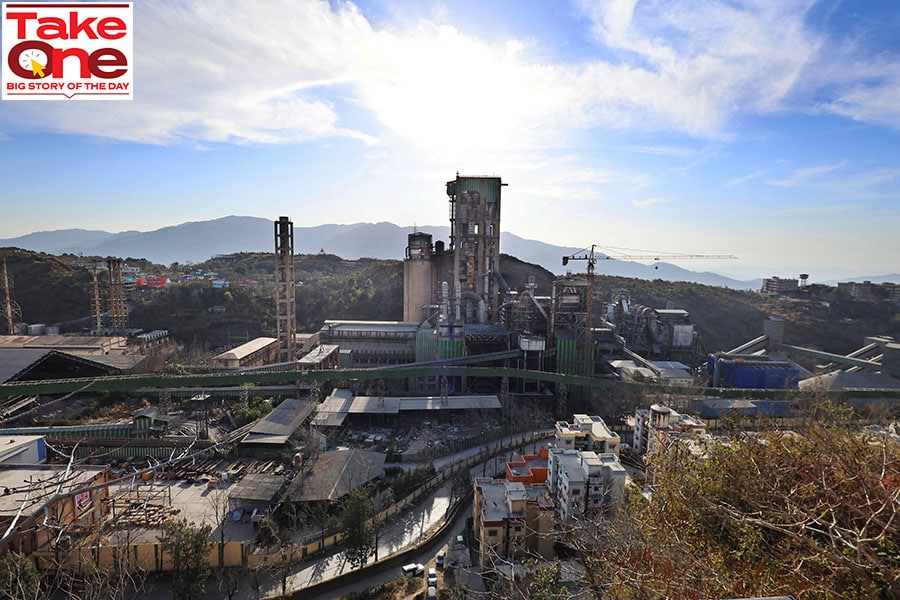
(460, 540)
(439, 560)
(431, 594)
(412, 569)
(432, 576)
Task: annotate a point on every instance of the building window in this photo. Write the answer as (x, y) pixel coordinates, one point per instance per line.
(492, 533)
(518, 528)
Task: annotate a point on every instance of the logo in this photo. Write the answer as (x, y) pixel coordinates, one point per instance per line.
(67, 51)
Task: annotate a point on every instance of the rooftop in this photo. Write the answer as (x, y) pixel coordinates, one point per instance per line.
(342, 402)
(246, 349)
(337, 473)
(277, 426)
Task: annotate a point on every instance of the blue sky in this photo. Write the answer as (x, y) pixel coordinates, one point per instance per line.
(765, 129)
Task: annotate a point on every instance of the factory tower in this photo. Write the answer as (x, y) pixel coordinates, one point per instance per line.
(285, 299)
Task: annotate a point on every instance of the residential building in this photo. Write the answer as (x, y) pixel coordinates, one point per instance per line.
(587, 433)
(584, 482)
(658, 423)
(499, 527)
(776, 285)
(500, 519)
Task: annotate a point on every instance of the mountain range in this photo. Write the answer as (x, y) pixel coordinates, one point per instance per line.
(198, 241)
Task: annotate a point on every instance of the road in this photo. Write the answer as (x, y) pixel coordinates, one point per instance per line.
(402, 533)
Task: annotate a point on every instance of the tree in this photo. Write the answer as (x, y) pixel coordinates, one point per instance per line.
(19, 578)
(359, 536)
(188, 545)
(810, 513)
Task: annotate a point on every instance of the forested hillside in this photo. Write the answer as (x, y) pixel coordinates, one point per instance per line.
(50, 289)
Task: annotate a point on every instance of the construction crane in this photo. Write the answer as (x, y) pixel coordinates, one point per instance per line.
(592, 257)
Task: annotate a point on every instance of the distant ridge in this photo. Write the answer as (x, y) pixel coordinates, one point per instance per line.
(198, 241)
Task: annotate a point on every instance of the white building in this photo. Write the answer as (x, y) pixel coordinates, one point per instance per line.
(584, 482)
(658, 423)
(587, 433)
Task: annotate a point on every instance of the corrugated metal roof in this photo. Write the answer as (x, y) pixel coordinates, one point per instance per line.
(341, 402)
(277, 426)
(246, 349)
(61, 342)
(15, 360)
(256, 487)
(337, 473)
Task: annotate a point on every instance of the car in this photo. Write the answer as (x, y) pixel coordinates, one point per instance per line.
(460, 540)
(432, 576)
(439, 560)
(431, 594)
(412, 569)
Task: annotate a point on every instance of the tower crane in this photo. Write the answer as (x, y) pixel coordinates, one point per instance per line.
(592, 257)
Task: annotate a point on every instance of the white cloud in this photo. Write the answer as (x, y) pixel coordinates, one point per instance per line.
(802, 177)
(281, 71)
(646, 202)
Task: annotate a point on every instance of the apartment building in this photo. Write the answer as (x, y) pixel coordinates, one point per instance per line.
(587, 432)
(656, 425)
(584, 482)
(502, 528)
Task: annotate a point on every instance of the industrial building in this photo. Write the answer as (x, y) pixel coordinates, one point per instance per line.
(255, 353)
(343, 404)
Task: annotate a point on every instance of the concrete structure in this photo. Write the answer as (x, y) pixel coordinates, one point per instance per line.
(654, 426)
(323, 356)
(419, 282)
(585, 482)
(475, 237)
(22, 449)
(285, 297)
(499, 520)
(775, 286)
(256, 352)
(587, 433)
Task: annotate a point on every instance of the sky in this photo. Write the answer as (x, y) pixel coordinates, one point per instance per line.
(766, 129)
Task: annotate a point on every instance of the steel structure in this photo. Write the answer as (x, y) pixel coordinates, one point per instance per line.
(11, 310)
(117, 313)
(475, 238)
(285, 298)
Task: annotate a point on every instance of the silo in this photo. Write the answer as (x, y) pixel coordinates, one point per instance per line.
(418, 276)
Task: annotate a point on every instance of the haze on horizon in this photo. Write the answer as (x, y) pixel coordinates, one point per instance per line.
(765, 129)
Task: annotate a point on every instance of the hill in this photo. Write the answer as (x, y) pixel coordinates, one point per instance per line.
(47, 288)
(197, 242)
(51, 290)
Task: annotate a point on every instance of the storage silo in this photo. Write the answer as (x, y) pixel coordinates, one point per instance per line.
(418, 276)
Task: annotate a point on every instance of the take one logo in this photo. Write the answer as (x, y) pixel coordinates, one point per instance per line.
(67, 51)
